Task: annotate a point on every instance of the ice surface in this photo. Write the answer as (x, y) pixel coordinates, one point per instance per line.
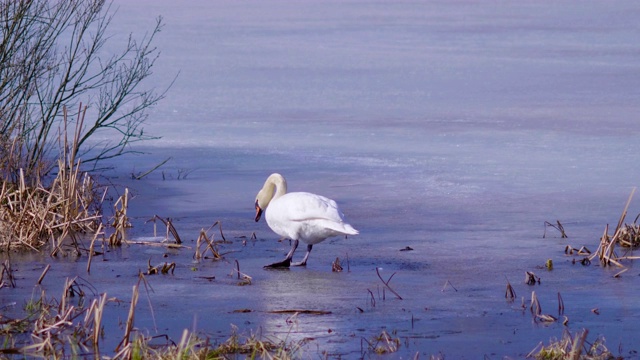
(453, 127)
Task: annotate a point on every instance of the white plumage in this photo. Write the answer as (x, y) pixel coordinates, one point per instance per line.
(299, 216)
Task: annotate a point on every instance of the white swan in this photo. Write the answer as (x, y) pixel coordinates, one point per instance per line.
(299, 216)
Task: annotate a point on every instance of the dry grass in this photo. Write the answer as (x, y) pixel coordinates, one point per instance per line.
(558, 226)
(571, 347)
(625, 235)
(120, 222)
(613, 250)
(56, 327)
(33, 214)
(382, 344)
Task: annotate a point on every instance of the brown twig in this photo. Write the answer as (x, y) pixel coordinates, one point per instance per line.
(450, 284)
(44, 272)
(386, 283)
(558, 227)
(560, 304)
(510, 294)
(373, 299)
(92, 247)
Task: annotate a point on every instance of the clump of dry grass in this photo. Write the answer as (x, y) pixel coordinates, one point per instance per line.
(164, 268)
(33, 214)
(120, 222)
(625, 235)
(572, 347)
(191, 346)
(383, 343)
(54, 328)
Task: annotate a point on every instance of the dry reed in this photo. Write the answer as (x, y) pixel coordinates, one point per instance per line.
(625, 236)
(558, 226)
(32, 214)
(120, 222)
(381, 344)
(572, 347)
(386, 283)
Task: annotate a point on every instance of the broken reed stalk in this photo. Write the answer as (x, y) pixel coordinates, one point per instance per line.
(510, 294)
(170, 228)
(140, 176)
(373, 298)
(44, 272)
(94, 313)
(386, 283)
(606, 249)
(560, 304)
(624, 212)
(617, 275)
(536, 310)
(558, 227)
(450, 284)
(531, 278)
(91, 248)
(197, 255)
(219, 223)
(129, 325)
(244, 278)
(68, 285)
(6, 269)
(210, 246)
(535, 307)
(120, 221)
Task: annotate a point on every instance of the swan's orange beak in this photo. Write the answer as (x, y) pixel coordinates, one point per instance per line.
(258, 211)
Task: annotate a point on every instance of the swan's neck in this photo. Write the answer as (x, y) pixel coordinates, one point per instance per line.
(273, 188)
(280, 184)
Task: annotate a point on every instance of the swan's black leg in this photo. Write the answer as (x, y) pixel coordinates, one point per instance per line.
(306, 256)
(287, 260)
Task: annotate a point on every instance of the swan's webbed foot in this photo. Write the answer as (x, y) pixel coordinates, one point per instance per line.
(306, 256)
(284, 264)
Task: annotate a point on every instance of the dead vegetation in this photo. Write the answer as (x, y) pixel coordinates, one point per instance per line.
(381, 344)
(574, 347)
(254, 347)
(120, 222)
(613, 249)
(71, 326)
(625, 235)
(536, 310)
(33, 214)
(558, 226)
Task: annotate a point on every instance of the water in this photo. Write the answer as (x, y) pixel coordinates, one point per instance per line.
(455, 128)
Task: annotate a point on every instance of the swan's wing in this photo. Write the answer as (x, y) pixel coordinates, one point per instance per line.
(314, 212)
(307, 217)
(301, 206)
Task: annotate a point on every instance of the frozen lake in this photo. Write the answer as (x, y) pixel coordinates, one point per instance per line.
(455, 128)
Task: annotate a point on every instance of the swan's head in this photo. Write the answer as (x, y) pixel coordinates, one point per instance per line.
(268, 193)
(262, 201)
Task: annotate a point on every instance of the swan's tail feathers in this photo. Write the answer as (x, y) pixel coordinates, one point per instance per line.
(349, 230)
(334, 228)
